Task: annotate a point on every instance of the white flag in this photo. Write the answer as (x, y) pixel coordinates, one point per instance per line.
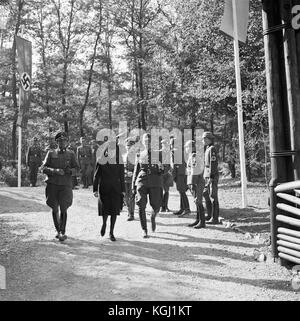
(242, 9)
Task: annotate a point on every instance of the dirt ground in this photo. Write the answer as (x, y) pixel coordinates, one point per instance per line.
(176, 263)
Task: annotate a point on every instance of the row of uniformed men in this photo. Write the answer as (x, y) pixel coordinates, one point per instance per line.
(153, 180)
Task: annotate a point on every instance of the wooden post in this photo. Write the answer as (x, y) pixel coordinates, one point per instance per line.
(276, 104)
(297, 35)
(292, 82)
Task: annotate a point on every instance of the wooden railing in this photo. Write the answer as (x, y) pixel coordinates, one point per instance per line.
(288, 221)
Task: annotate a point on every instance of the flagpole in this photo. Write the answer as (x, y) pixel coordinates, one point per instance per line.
(239, 106)
(19, 145)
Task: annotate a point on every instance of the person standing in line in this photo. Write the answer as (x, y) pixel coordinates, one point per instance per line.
(73, 148)
(84, 156)
(211, 176)
(147, 180)
(128, 159)
(196, 183)
(109, 188)
(51, 145)
(180, 179)
(94, 147)
(167, 174)
(58, 165)
(34, 161)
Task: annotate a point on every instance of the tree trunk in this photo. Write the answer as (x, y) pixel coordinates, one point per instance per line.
(87, 94)
(66, 53)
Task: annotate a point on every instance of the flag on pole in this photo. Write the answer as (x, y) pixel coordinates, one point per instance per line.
(242, 9)
(24, 54)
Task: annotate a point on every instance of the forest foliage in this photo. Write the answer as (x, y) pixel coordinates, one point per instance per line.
(151, 63)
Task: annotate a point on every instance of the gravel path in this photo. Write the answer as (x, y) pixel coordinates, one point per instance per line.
(176, 263)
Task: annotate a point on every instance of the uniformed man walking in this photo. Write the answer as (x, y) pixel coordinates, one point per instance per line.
(85, 160)
(211, 176)
(128, 159)
(147, 180)
(196, 183)
(58, 166)
(34, 161)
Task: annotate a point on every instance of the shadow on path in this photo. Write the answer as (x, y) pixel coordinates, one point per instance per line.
(20, 206)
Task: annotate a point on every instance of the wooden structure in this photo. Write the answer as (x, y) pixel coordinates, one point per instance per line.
(282, 45)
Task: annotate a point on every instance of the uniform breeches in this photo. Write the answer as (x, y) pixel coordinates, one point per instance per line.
(155, 197)
(59, 196)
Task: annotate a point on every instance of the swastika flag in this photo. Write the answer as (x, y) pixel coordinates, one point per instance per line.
(242, 10)
(24, 54)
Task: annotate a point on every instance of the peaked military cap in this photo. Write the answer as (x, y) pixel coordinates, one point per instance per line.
(208, 135)
(61, 135)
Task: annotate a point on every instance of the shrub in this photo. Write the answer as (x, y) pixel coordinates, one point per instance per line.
(9, 176)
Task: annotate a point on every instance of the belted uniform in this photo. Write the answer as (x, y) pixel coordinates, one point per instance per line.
(59, 187)
(147, 179)
(196, 183)
(211, 176)
(180, 178)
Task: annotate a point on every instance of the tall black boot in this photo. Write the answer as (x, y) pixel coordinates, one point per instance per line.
(185, 202)
(215, 212)
(153, 223)
(143, 220)
(181, 205)
(200, 210)
(208, 206)
(63, 223)
(197, 219)
(166, 201)
(56, 220)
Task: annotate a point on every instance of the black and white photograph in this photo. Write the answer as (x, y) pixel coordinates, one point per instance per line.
(150, 153)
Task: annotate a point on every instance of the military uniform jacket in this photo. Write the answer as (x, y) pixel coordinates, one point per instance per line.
(60, 159)
(145, 173)
(211, 162)
(194, 169)
(34, 155)
(84, 155)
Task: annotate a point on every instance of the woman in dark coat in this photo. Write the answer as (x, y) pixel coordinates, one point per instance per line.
(109, 187)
